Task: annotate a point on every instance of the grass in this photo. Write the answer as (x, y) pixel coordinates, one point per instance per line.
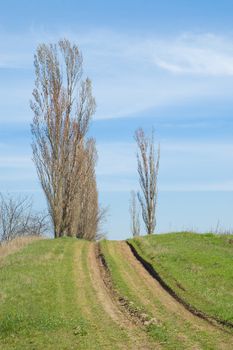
(198, 267)
(173, 330)
(10, 247)
(122, 277)
(48, 301)
(37, 307)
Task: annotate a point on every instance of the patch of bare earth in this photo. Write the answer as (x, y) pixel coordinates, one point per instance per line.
(111, 302)
(104, 293)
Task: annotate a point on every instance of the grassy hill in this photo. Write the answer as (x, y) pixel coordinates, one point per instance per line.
(48, 301)
(198, 267)
(60, 294)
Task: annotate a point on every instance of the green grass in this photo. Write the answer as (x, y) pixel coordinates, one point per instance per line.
(173, 330)
(37, 297)
(48, 300)
(122, 277)
(198, 267)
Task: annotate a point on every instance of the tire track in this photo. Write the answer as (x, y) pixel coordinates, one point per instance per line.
(104, 294)
(223, 336)
(154, 274)
(105, 298)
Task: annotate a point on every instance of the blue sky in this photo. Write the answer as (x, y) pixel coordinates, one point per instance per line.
(162, 64)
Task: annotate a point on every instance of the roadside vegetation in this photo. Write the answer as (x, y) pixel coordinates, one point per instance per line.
(198, 267)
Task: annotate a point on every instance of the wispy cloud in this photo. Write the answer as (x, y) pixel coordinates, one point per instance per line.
(116, 158)
(203, 54)
(17, 49)
(132, 74)
(199, 186)
(16, 162)
(185, 166)
(136, 74)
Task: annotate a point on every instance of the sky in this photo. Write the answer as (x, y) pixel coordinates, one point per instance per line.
(166, 65)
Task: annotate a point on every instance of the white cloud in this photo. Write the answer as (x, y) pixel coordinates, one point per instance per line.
(204, 54)
(16, 162)
(185, 166)
(17, 49)
(223, 186)
(137, 74)
(216, 149)
(198, 186)
(116, 158)
(130, 74)
(120, 157)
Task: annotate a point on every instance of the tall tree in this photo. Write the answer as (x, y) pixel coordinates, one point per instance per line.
(134, 215)
(148, 167)
(87, 200)
(63, 105)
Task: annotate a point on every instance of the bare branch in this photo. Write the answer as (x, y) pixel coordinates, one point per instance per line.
(65, 160)
(17, 218)
(134, 215)
(148, 168)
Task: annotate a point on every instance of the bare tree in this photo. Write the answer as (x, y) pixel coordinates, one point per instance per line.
(134, 215)
(148, 167)
(17, 218)
(38, 224)
(85, 208)
(63, 106)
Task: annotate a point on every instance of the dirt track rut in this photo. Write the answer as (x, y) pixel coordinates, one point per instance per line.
(101, 309)
(163, 306)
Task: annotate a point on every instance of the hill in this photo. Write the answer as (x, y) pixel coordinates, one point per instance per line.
(198, 267)
(74, 294)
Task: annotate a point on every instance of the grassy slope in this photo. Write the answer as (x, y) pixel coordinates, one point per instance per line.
(198, 267)
(15, 245)
(174, 330)
(47, 300)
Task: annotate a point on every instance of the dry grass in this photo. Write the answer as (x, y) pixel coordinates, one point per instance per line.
(15, 245)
